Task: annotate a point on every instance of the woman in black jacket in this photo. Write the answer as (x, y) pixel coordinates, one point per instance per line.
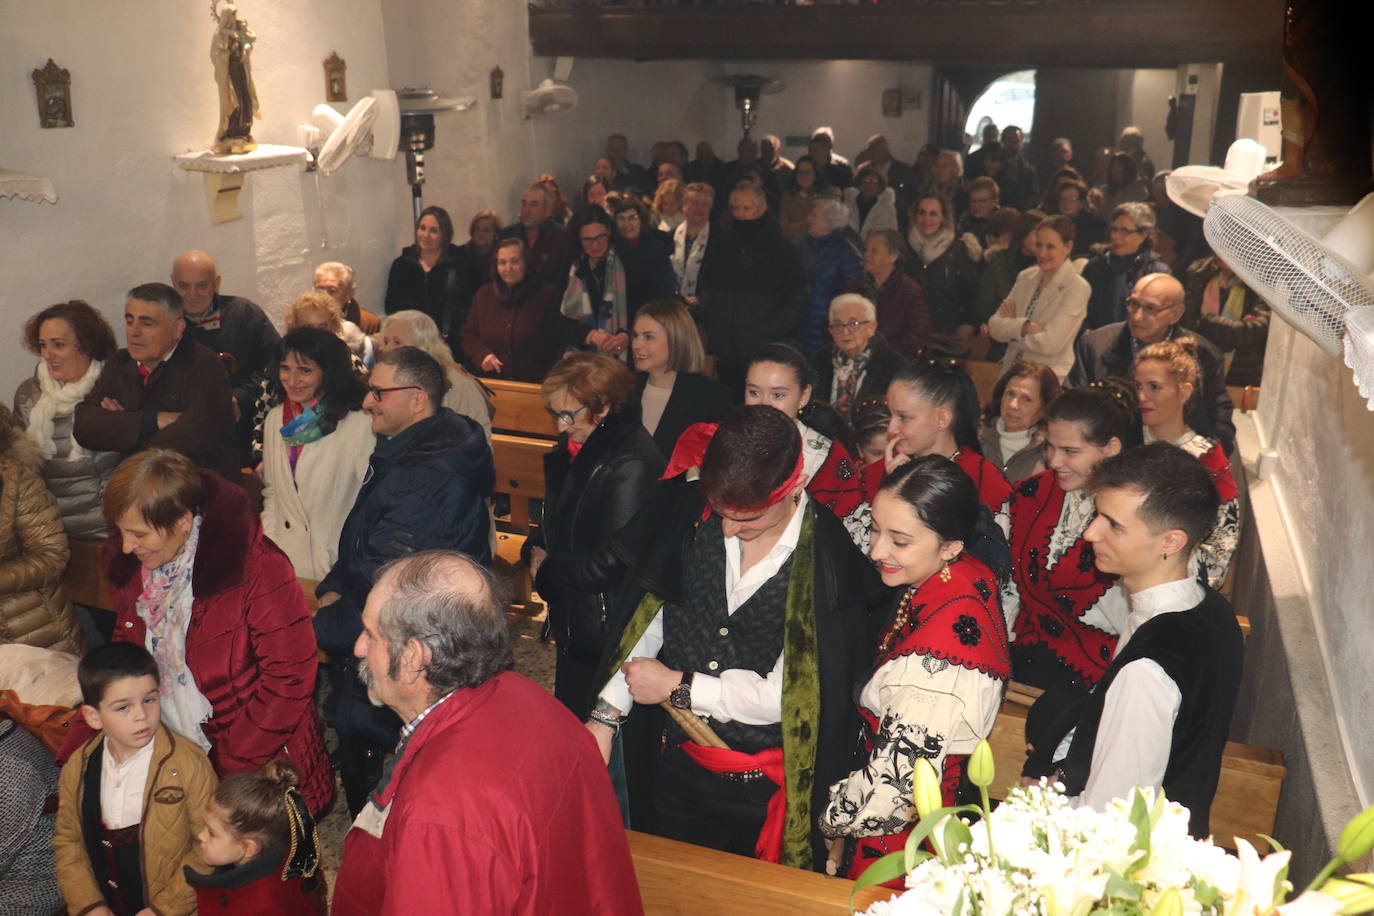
(669, 385)
(598, 476)
(428, 275)
(940, 262)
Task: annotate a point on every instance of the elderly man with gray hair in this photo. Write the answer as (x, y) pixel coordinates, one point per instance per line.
(859, 363)
(830, 257)
(752, 289)
(338, 281)
(497, 800)
(1129, 255)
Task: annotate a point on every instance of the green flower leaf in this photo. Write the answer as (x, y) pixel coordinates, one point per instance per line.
(890, 866)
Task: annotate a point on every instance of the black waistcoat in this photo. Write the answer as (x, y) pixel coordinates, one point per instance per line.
(118, 869)
(698, 635)
(1201, 651)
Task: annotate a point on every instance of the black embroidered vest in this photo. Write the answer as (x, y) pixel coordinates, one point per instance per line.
(1200, 650)
(699, 635)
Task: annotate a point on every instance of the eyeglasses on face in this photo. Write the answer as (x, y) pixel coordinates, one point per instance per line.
(1149, 311)
(593, 239)
(1121, 230)
(851, 326)
(566, 417)
(376, 393)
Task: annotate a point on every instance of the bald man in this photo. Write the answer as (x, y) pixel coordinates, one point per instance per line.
(226, 324)
(1153, 311)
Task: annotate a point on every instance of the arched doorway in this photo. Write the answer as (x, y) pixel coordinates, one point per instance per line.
(1009, 99)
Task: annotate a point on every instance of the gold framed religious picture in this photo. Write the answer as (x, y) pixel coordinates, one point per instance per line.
(335, 82)
(54, 87)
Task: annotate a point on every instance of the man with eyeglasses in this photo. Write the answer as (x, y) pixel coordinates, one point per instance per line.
(1154, 310)
(426, 488)
(1129, 255)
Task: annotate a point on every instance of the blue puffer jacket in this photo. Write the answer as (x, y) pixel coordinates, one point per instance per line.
(831, 261)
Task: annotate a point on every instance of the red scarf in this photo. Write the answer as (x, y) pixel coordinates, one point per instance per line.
(1053, 600)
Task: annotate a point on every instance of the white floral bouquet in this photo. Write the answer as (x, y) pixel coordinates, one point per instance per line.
(1037, 856)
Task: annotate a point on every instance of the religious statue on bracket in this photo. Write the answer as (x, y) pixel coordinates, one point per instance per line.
(238, 97)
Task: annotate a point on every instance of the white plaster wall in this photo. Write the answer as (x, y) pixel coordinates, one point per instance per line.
(1146, 105)
(1311, 414)
(142, 90)
(487, 156)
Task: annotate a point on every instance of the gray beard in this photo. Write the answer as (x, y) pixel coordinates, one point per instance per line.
(365, 675)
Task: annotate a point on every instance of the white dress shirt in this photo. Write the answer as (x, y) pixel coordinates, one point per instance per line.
(122, 785)
(1135, 733)
(739, 694)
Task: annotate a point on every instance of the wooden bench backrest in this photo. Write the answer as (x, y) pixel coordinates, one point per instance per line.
(985, 376)
(519, 464)
(520, 409)
(1247, 799)
(84, 580)
(677, 879)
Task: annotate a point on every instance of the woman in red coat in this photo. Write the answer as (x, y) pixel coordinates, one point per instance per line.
(218, 605)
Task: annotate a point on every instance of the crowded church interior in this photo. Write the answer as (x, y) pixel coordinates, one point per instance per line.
(686, 456)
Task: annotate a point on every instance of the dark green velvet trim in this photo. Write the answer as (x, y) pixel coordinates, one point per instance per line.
(644, 614)
(801, 697)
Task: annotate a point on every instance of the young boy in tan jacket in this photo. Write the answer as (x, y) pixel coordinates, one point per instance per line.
(132, 799)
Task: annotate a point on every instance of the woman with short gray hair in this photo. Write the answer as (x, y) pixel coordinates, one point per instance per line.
(831, 259)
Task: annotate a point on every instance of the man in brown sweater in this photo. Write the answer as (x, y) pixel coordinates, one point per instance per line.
(163, 390)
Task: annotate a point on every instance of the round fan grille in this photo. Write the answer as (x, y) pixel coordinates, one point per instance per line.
(1359, 350)
(1310, 286)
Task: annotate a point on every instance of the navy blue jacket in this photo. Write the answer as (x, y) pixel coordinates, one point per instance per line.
(425, 488)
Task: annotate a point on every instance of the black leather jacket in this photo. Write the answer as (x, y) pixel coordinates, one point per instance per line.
(587, 500)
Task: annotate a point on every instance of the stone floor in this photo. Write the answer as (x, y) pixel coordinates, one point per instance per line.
(533, 658)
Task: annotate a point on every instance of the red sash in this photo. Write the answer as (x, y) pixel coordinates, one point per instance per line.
(721, 760)
(1053, 600)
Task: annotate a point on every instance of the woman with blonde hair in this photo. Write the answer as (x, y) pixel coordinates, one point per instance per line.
(1166, 380)
(667, 209)
(672, 390)
(466, 395)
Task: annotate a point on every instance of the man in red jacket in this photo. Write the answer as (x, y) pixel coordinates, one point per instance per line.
(497, 801)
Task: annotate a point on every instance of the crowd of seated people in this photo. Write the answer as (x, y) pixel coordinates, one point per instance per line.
(879, 551)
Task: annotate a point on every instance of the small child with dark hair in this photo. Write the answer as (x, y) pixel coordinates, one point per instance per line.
(130, 800)
(261, 841)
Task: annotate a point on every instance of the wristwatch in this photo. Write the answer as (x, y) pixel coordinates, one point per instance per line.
(681, 697)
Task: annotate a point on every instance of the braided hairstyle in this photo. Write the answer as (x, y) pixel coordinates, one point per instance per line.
(267, 806)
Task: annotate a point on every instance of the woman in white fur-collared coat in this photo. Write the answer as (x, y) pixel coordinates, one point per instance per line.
(315, 449)
(1041, 317)
(872, 205)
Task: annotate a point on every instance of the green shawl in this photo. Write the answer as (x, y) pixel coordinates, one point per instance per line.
(801, 689)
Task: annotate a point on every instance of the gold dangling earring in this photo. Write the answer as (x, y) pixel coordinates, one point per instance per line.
(945, 574)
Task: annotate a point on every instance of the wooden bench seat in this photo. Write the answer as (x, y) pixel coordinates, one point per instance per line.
(84, 580)
(519, 464)
(520, 409)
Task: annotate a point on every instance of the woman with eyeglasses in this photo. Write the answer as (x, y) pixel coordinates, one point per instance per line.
(935, 411)
(780, 377)
(601, 472)
(315, 449)
(465, 395)
(1064, 612)
(1040, 319)
(858, 364)
(1112, 273)
(1166, 380)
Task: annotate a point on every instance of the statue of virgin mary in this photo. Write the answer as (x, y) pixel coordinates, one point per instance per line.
(238, 98)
